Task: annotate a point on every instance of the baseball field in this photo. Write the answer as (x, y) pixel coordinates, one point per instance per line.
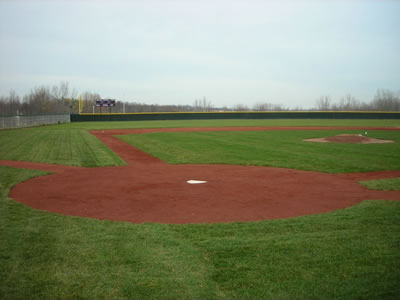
(104, 210)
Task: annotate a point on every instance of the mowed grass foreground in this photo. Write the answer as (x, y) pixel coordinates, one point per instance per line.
(347, 254)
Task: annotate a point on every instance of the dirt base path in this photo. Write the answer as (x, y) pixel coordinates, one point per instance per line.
(150, 190)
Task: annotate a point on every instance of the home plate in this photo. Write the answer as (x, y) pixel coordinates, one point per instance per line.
(196, 181)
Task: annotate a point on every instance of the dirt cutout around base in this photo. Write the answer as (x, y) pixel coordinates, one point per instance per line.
(150, 190)
(349, 138)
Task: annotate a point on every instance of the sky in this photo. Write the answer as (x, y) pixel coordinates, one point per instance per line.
(229, 51)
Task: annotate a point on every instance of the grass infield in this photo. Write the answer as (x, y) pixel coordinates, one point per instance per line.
(346, 254)
(273, 148)
(390, 184)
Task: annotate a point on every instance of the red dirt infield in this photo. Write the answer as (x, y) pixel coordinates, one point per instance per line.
(150, 190)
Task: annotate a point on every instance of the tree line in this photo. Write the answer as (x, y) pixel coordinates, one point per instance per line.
(61, 99)
(384, 100)
(41, 100)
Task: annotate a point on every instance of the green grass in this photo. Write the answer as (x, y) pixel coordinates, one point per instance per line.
(347, 254)
(227, 123)
(388, 184)
(56, 144)
(272, 148)
(72, 144)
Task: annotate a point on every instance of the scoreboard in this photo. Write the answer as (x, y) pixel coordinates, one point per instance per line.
(105, 102)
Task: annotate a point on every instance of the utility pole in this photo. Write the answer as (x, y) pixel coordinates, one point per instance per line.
(123, 104)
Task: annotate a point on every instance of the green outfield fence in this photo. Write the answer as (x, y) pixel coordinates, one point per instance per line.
(234, 115)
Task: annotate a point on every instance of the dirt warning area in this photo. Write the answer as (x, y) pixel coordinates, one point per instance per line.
(150, 190)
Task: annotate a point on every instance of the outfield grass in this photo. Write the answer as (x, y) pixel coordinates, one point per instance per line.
(347, 254)
(272, 148)
(72, 144)
(388, 184)
(228, 123)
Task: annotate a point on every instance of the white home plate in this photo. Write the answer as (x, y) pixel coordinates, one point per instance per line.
(196, 181)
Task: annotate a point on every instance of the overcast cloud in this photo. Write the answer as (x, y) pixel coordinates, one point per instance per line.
(172, 52)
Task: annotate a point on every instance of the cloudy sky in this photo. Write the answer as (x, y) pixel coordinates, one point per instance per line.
(230, 51)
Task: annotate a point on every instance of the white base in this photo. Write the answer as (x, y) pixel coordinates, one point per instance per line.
(196, 181)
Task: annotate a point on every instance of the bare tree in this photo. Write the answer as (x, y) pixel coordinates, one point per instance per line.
(386, 100)
(202, 105)
(323, 103)
(241, 107)
(64, 89)
(267, 107)
(89, 101)
(55, 92)
(40, 100)
(73, 102)
(349, 102)
(74, 93)
(262, 106)
(61, 102)
(14, 103)
(10, 105)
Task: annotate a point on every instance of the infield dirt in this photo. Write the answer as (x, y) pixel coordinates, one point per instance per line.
(150, 190)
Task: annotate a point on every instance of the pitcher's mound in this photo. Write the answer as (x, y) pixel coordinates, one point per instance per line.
(349, 138)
